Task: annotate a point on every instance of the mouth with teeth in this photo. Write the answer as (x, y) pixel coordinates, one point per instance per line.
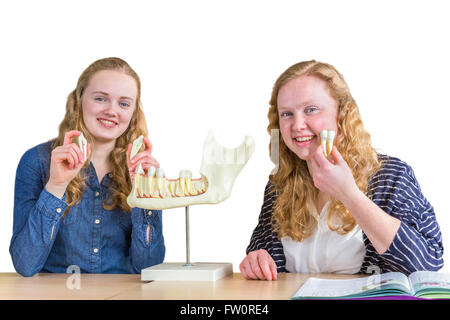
(304, 140)
(219, 169)
(107, 123)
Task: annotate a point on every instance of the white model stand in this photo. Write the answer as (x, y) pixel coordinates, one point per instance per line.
(178, 271)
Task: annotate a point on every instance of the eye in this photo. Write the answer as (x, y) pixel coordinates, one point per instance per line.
(310, 109)
(124, 104)
(285, 114)
(100, 99)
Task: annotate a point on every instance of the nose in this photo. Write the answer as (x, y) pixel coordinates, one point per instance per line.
(110, 108)
(299, 122)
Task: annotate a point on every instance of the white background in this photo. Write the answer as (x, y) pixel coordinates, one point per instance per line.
(212, 64)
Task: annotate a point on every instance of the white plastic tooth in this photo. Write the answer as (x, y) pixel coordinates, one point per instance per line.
(151, 176)
(143, 186)
(160, 180)
(137, 144)
(82, 143)
(159, 172)
(182, 181)
(171, 185)
(138, 179)
(151, 171)
(330, 139)
(188, 182)
(324, 139)
(139, 169)
(137, 183)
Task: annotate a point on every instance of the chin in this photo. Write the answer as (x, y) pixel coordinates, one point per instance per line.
(105, 138)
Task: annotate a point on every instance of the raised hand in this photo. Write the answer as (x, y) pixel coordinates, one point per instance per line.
(66, 162)
(145, 158)
(332, 176)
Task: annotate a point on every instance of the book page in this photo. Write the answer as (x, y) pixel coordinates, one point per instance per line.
(334, 288)
(429, 280)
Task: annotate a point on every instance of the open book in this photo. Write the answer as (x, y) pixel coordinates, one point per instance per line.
(420, 284)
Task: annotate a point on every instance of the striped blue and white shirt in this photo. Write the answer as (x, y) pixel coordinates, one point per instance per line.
(394, 188)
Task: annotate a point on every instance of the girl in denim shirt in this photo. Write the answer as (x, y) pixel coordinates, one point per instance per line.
(71, 210)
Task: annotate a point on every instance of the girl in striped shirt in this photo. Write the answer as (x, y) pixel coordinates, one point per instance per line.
(355, 211)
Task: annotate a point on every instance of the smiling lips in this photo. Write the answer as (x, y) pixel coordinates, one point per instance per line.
(304, 140)
(107, 123)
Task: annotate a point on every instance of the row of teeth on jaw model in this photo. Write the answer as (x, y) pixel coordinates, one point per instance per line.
(219, 168)
(327, 138)
(154, 184)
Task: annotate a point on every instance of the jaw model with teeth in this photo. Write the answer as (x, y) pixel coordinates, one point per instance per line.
(327, 138)
(219, 169)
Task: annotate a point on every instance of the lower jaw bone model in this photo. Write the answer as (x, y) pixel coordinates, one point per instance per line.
(219, 169)
(327, 138)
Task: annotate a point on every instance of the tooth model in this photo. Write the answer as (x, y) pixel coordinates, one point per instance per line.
(327, 138)
(82, 143)
(137, 144)
(219, 169)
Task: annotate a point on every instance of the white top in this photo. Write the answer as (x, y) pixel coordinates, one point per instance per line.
(325, 251)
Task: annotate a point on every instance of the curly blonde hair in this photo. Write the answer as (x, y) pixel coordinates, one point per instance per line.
(120, 185)
(293, 183)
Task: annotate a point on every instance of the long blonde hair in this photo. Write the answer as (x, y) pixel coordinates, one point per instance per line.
(293, 183)
(73, 120)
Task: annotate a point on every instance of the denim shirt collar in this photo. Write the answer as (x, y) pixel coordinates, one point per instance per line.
(92, 179)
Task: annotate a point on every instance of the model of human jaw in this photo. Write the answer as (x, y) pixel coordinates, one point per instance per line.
(327, 138)
(219, 169)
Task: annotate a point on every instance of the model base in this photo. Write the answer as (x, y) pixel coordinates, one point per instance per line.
(179, 271)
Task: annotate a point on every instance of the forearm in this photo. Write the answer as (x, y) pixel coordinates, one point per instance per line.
(31, 244)
(57, 190)
(379, 227)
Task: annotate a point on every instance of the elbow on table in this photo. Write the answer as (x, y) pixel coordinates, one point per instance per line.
(22, 267)
(25, 271)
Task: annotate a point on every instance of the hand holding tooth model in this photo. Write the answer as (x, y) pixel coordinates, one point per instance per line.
(219, 169)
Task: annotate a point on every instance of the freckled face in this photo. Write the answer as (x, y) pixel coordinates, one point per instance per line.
(305, 108)
(108, 103)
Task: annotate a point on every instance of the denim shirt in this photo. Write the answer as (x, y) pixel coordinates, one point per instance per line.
(88, 236)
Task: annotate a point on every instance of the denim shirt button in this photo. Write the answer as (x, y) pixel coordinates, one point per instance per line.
(97, 193)
(97, 221)
(95, 250)
(58, 210)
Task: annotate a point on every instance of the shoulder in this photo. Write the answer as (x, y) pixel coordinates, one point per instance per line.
(392, 169)
(393, 163)
(37, 157)
(394, 181)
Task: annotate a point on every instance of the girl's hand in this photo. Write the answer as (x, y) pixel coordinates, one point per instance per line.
(258, 265)
(144, 158)
(333, 176)
(66, 162)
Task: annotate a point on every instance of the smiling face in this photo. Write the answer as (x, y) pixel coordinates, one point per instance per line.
(305, 108)
(108, 103)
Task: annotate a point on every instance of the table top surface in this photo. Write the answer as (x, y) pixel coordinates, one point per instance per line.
(46, 286)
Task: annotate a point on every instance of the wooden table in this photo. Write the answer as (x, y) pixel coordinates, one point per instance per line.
(45, 286)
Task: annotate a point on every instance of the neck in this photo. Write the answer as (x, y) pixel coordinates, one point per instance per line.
(101, 151)
(322, 197)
